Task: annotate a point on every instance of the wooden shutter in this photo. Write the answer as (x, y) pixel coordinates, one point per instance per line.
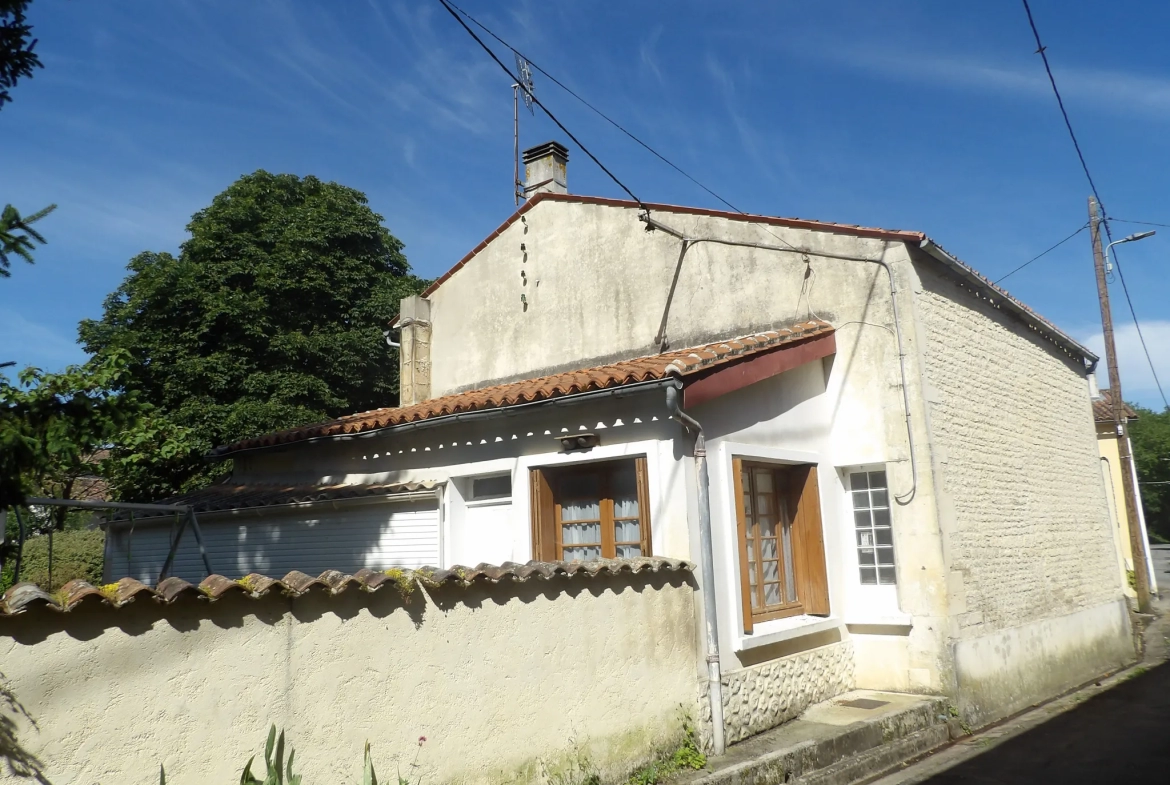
(544, 524)
(808, 545)
(644, 504)
(741, 526)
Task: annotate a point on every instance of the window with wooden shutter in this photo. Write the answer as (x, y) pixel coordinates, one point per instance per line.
(781, 545)
(591, 511)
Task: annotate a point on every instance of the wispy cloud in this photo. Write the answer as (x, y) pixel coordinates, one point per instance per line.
(1137, 381)
(646, 51)
(30, 343)
(765, 151)
(1110, 90)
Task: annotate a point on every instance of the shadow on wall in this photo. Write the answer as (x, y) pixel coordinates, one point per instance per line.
(20, 762)
(191, 611)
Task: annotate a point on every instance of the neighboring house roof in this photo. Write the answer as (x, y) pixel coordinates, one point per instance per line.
(28, 596)
(689, 364)
(1103, 408)
(981, 284)
(237, 497)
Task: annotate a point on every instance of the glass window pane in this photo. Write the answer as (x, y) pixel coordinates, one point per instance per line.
(868, 576)
(886, 575)
(771, 594)
(858, 481)
(765, 504)
(623, 484)
(627, 531)
(880, 498)
(581, 510)
(491, 487)
(768, 548)
(767, 525)
(865, 556)
(865, 539)
(583, 554)
(861, 500)
(629, 551)
(579, 494)
(771, 571)
(751, 549)
(881, 517)
(862, 519)
(877, 480)
(884, 536)
(581, 534)
(885, 556)
(763, 480)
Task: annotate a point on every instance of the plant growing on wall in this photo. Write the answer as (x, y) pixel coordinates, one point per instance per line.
(277, 771)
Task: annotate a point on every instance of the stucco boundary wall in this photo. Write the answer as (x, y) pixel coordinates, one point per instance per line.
(546, 679)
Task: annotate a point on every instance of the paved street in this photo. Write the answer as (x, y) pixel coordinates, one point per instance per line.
(1115, 735)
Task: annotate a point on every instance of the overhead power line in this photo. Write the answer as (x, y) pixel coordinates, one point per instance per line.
(1143, 223)
(1041, 50)
(449, 5)
(536, 101)
(597, 111)
(1042, 254)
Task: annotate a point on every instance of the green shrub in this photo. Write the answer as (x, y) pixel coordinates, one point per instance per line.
(76, 554)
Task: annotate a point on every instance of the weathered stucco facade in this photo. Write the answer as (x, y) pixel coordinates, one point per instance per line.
(508, 682)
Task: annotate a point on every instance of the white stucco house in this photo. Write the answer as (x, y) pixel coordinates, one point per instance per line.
(893, 459)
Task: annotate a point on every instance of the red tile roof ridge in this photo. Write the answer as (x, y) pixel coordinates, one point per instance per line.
(622, 372)
(902, 235)
(24, 597)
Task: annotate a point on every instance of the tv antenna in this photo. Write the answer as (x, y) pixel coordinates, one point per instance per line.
(524, 74)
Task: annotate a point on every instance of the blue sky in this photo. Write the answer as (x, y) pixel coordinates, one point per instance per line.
(920, 115)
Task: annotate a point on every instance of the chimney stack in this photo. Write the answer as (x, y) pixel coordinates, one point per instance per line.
(544, 169)
(414, 352)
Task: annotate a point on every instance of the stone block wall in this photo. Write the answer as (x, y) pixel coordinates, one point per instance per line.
(1024, 509)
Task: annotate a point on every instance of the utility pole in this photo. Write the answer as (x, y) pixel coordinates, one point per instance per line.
(1137, 544)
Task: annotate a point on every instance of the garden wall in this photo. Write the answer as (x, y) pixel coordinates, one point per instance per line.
(511, 674)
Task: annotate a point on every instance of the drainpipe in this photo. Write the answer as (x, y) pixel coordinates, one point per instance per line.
(706, 562)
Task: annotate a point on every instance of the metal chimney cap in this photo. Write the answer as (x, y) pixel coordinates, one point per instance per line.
(544, 150)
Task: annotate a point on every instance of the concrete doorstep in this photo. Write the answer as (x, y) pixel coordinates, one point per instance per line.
(853, 737)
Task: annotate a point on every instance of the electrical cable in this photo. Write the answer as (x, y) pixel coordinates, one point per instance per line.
(1039, 255)
(536, 101)
(601, 114)
(1040, 50)
(1143, 223)
(597, 111)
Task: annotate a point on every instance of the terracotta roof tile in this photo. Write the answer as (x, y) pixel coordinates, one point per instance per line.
(25, 597)
(1103, 408)
(683, 362)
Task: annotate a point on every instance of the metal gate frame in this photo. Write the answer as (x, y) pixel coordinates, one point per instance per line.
(185, 510)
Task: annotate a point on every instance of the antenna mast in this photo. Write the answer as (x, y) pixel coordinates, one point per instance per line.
(524, 74)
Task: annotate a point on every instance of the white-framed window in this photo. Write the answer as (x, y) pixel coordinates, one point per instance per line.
(496, 487)
(873, 529)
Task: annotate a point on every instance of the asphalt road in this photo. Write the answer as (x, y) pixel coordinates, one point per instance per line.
(1118, 735)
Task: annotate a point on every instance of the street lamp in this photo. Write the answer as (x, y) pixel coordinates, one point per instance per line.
(1130, 239)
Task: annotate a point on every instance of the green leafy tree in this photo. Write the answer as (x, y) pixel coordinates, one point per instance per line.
(17, 58)
(1150, 435)
(271, 316)
(17, 237)
(52, 424)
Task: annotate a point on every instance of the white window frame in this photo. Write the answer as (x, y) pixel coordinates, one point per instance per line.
(869, 604)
